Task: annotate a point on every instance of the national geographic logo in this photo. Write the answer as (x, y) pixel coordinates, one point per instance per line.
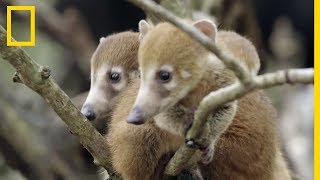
(10, 41)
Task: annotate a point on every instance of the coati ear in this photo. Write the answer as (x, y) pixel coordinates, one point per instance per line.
(207, 27)
(143, 29)
(102, 38)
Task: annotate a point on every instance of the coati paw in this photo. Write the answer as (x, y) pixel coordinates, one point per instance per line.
(206, 155)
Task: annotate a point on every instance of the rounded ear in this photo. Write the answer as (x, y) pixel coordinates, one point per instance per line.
(143, 28)
(102, 38)
(207, 27)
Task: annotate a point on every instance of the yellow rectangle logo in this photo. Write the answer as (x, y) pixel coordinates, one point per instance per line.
(32, 41)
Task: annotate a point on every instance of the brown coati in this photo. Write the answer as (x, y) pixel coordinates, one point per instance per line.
(176, 73)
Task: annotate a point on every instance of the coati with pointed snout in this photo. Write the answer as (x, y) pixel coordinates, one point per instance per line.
(176, 73)
(113, 66)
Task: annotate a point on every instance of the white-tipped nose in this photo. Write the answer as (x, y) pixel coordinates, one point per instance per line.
(135, 116)
(87, 110)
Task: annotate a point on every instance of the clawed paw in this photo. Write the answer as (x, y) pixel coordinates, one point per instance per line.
(206, 155)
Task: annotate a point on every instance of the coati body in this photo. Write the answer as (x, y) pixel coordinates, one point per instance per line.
(116, 54)
(245, 146)
(239, 153)
(113, 65)
(136, 150)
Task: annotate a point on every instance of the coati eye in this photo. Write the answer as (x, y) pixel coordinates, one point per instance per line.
(164, 76)
(114, 77)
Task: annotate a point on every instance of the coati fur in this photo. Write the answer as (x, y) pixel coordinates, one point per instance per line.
(116, 55)
(242, 138)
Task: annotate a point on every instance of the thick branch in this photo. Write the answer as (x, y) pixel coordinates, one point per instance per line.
(31, 74)
(150, 7)
(69, 29)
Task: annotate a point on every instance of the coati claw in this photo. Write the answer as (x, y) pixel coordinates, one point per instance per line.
(206, 155)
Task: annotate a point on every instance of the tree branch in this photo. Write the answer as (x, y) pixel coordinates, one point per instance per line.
(32, 75)
(181, 8)
(227, 94)
(37, 78)
(68, 29)
(151, 7)
(237, 90)
(248, 82)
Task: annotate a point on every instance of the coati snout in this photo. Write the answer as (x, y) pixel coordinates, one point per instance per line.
(113, 65)
(87, 110)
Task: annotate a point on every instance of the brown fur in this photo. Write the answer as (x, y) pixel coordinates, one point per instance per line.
(239, 48)
(120, 48)
(167, 45)
(136, 150)
(116, 50)
(247, 149)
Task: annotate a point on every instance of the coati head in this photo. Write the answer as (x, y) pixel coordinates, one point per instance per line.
(172, 64)
(113, 65)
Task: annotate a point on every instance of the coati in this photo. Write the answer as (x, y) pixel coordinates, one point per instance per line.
(191, 80)
(176, 73)
(113, 65)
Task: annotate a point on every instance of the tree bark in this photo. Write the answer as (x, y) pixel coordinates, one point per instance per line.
(38, 78)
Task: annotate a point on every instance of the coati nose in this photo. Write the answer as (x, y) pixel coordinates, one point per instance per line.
(87, 110)
(135, 116)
